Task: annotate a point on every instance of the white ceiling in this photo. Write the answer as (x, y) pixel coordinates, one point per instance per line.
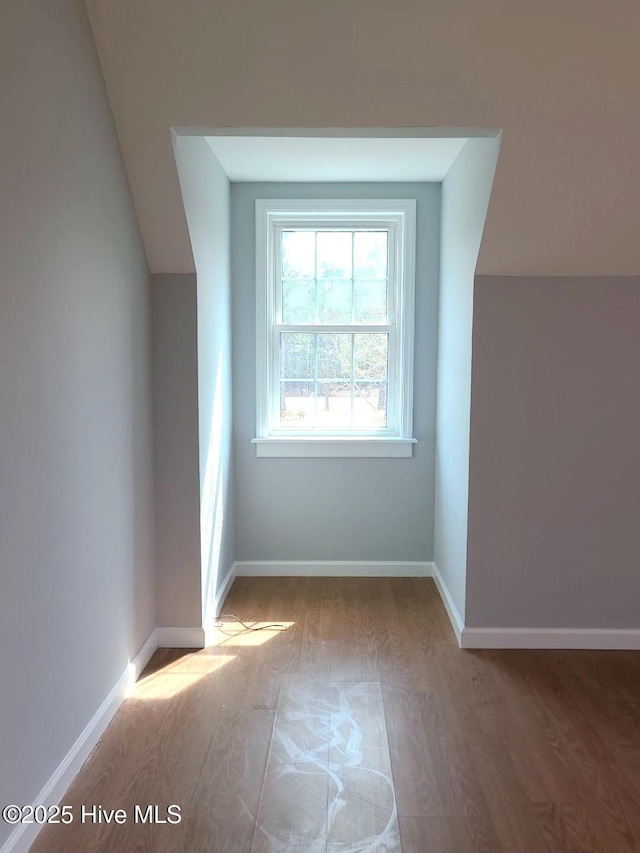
(280, 158)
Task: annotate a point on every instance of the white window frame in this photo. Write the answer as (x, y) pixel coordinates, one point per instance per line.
(399, 217)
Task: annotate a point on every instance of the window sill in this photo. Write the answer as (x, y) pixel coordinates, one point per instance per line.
(312, 446)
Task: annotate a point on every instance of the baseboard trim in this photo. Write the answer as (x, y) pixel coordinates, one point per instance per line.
(142, 658)
(596, 639)
(224, 589)
(332, 568)
(449, 605)
(552, 638)
(181, 638)
(210, 634)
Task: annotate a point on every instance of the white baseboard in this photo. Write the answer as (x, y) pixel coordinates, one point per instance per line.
(142, 658)
(180, 638)
(210, 634)
(551, 638)
(449, 605)
(534, 638)
(332, 568)
(224, 589)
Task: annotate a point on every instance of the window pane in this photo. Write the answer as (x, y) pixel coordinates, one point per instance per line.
(334, 357)
(370, 302)
(370, 356)
(298, 300)
(334, 301)
(334, 254)
(370, 362)
(333, 406)
(297, 356)
(298, 254)
(370, 254)
(297, 370)
(297, 404)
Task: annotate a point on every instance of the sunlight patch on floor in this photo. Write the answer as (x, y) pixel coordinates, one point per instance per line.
(258, 634)
(179, 675)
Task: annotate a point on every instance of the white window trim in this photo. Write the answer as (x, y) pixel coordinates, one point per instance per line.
(398, 215)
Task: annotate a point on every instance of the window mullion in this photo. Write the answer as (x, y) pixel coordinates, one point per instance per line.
(315, 377)
(392, 277)
(328, 329)
(353, 277)
(315, 278)
(392, 381)
(353, 361)
(277, 276)
(274, 368)
(353, 317)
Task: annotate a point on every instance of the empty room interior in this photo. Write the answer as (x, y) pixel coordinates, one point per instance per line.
(319, 426)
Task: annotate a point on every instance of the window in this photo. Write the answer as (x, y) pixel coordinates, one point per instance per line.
(334, 324)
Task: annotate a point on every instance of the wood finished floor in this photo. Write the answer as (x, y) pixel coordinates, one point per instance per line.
(362, 728)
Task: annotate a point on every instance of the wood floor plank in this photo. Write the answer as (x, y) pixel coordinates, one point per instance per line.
(302, 731)
(292, 813)
(608, 817)
(439, 835)
(289, 817)
(519, 824)
(578, 832)
(223, 814)
(362, 811)
(418, 792)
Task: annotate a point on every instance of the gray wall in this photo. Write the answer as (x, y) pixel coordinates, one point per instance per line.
(76, 513)
(465, 197)
(333, 509)
(205, 191)
(175, 420)
(554, 494)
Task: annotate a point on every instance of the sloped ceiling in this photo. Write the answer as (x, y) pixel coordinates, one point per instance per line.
(561, 77)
